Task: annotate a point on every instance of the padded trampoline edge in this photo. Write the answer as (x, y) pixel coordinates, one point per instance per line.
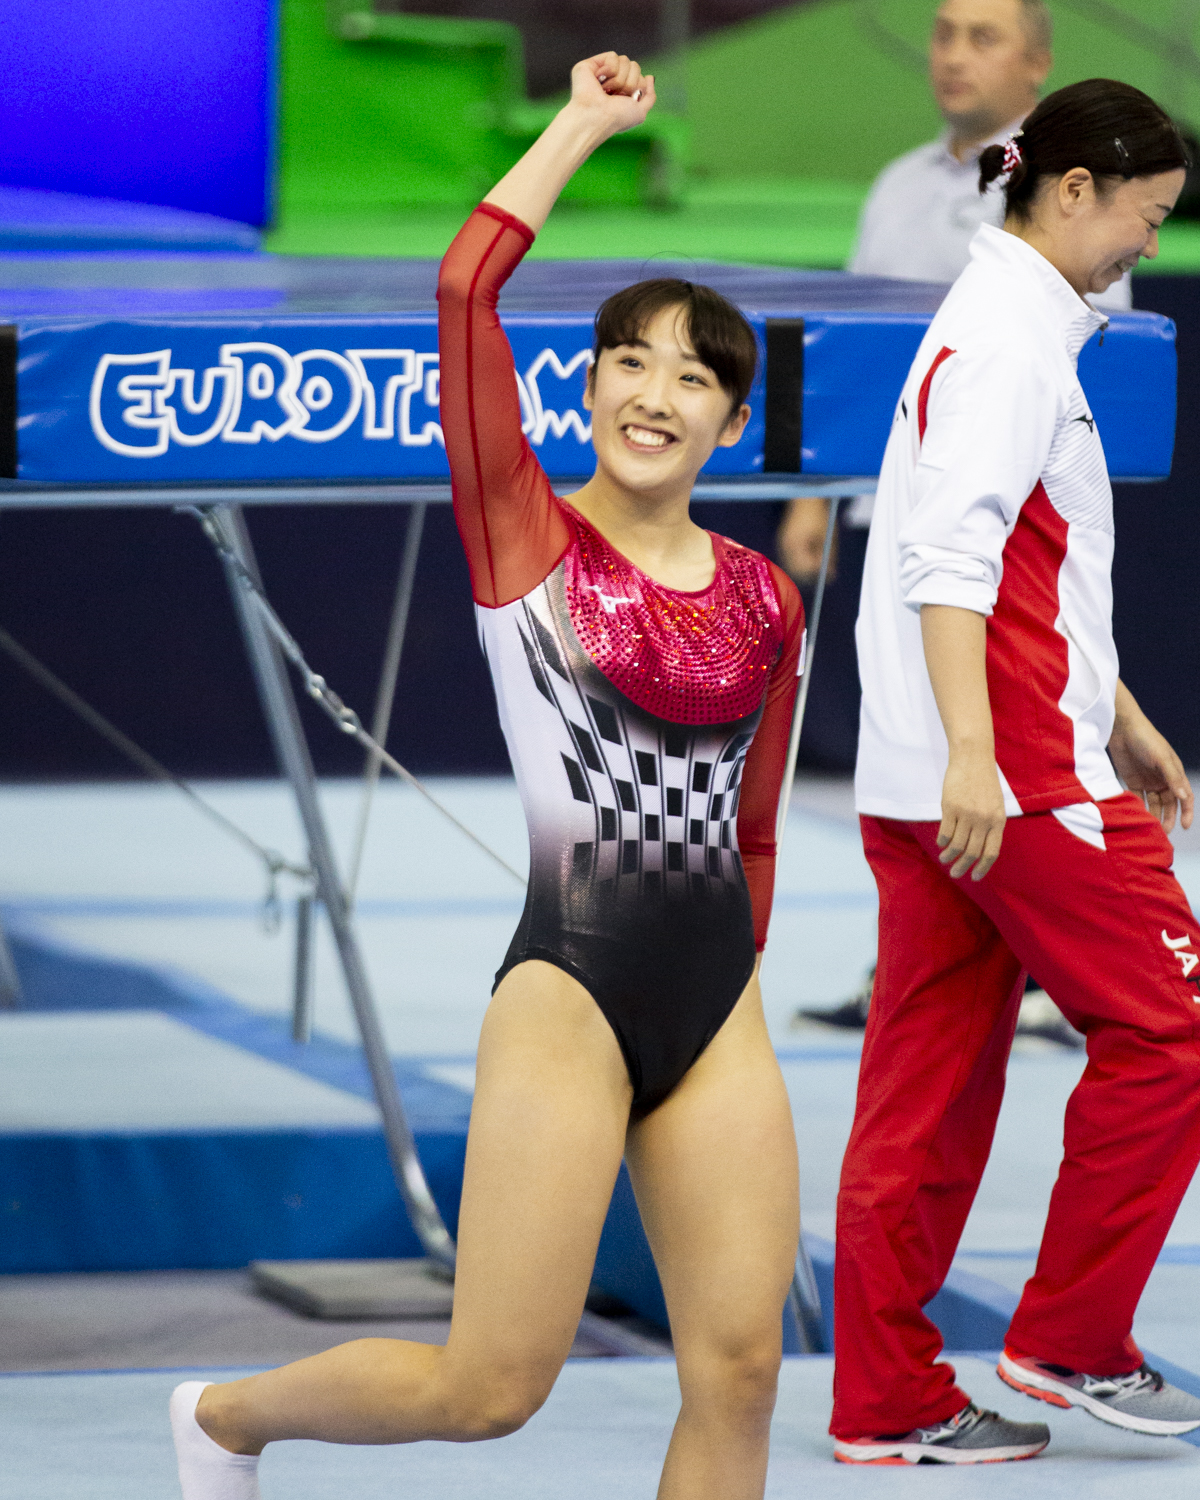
(8, 400)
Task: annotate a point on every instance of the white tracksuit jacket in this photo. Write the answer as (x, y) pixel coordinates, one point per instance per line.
(994, 496)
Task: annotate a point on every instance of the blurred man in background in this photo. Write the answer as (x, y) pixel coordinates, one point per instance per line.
(987, 62)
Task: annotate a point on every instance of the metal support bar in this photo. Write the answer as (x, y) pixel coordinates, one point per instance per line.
(386, 693)
(26, 494)
(805, 1301)
(813, 624)
(283, 720)
(804, 1298)
(674, 34)
(10, 981)
(302, 972)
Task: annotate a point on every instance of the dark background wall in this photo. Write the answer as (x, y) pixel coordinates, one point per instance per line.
(557, 33)
(129, 606)
(1156, 603)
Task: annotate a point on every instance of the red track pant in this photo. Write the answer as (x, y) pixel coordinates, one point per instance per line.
(1102, 931)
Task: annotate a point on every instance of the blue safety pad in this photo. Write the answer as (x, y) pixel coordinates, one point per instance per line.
(855, 368)
(124, 1200)
(215, 1199)
(34, 220)
(328, 370)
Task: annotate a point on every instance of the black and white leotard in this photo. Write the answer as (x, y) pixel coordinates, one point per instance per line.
(647, 726)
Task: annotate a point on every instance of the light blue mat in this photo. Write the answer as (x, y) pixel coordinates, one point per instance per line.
(602, 1434)
(34, 220)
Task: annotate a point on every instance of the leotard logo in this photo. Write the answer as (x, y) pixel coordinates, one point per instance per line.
(609, 601)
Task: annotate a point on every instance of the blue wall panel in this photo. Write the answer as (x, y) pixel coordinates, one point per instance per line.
(155, 101)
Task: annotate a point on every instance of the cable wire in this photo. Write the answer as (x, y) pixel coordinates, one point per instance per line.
(273, 862)
(322, 694)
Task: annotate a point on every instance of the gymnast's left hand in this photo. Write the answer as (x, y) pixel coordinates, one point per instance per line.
(1147, 765)
(612, 87)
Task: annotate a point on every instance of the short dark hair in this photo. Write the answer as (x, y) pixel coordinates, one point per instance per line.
(720, 335)
(1111, 128)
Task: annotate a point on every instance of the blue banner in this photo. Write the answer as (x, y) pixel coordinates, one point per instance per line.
(290, 399)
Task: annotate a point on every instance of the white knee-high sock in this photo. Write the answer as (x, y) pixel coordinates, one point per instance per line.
(206, 1470)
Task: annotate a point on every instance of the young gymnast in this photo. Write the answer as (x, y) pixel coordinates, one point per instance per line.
(645, 671)
(991, 707)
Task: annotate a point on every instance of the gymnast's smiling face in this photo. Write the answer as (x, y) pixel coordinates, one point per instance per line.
(658, 411)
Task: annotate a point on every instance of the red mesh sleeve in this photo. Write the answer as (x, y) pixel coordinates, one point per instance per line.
(510, 522)
(766, 759)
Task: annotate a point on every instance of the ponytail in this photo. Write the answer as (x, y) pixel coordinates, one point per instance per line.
(1110, 128)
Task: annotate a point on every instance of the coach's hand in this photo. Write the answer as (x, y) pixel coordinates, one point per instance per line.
(1147, 765)
(972, 802)
(972, 814)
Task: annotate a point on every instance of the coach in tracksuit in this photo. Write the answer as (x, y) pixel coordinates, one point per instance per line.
(997, 829)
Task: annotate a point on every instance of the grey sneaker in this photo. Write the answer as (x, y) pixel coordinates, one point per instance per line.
(1140, 1402)
(972, 1437)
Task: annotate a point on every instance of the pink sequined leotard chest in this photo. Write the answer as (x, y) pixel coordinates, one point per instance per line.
(647, 726)
(692, 658)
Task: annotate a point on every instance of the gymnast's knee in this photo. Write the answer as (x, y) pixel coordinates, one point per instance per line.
(493, 1403)
(734, 1380)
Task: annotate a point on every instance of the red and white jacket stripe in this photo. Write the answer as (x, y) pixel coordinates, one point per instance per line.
(994, 496)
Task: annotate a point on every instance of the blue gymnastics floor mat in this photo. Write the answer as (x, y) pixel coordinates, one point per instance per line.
(34, 220)
(603, 1431)
(188, 1179)
(143, 1193)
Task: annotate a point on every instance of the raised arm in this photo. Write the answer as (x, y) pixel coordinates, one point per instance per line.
(511, 527)
(608, 95)
(762, 777)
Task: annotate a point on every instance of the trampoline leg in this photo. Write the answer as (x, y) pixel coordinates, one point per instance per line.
(10, 983)
(813, 624)
(287, 734)
(302, 973)
(804, 1302)
(804, 1299)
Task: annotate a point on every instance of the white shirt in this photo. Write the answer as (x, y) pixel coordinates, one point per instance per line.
(994, 497)
(922, 213)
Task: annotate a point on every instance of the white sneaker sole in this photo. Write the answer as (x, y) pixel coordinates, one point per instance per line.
(929, 1453)
(1058, 1393)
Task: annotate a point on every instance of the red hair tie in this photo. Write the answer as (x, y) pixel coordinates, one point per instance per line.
(1012, 154)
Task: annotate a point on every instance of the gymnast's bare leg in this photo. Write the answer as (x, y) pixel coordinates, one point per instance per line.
(715, 1173)
(714, 1168)
(545, 1142)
